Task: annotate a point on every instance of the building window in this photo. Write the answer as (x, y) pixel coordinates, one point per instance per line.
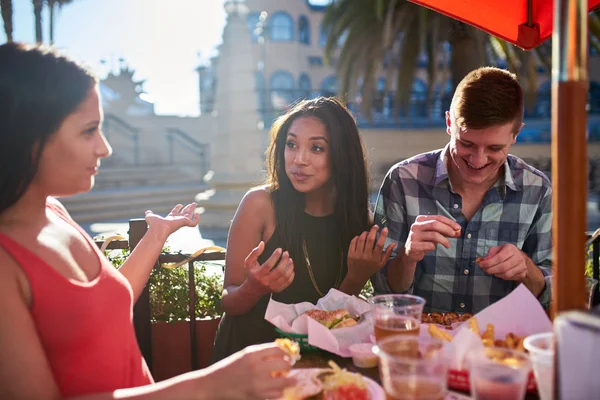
(303, 30)
(282, 89)
(329, 86)
(315, 61)
(252, 19)
(543, 107)
(323, 36)
(282, 27)
(418, 99)
(261, 91)
(304, 86)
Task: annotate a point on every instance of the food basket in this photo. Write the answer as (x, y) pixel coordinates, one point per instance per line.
(301, 339)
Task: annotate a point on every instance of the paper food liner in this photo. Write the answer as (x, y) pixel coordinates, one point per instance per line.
(520, 313)
(289, 318)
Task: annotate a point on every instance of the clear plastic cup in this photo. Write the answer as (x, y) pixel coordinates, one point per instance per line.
(498, 373)
(397, 314)
(541, 354)
(413, 368)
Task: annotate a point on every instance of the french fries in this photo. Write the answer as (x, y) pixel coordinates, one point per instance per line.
(488, 337)
(474, 326)
(438, 333)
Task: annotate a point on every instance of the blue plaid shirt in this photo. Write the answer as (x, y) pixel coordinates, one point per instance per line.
(517, 210)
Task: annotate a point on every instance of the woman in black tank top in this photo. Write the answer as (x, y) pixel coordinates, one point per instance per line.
(305, 231)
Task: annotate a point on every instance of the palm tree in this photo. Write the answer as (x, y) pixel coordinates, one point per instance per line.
(38, 5)
(6, 9)
(51, 6)
(391, 36)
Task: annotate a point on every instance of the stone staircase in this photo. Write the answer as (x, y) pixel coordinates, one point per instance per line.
(122, 193)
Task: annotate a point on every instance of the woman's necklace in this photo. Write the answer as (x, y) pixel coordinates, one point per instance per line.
(311, 274)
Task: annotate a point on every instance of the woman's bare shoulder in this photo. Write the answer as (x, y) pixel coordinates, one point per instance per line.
(258, 199)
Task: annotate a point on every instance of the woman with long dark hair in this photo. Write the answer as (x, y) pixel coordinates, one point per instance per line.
(66, 329)
(305, 231)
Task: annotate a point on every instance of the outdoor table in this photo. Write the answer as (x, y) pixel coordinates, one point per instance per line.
(320, 359)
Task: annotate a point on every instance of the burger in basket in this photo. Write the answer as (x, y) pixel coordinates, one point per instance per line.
(334, 319)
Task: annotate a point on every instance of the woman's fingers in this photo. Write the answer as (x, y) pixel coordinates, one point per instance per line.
(176, 209)
(272, 261)
(371, 237)
(252, 258)
(388, 253)
(360, 245)
(352, 247)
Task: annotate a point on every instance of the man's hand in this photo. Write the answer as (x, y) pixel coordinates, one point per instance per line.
(505, 262)
(427, 232)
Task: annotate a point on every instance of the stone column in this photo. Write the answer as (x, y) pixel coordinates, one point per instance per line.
(237, 150)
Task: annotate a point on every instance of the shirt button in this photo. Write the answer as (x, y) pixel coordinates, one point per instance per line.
(462, 305)
(455, 206)
(469, 235)
(466, 271)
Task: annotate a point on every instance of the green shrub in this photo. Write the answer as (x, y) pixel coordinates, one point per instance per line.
(169, 294)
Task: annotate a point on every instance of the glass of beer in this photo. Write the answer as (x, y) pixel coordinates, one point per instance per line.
(498, 373)
(397, 314)
(413, 368)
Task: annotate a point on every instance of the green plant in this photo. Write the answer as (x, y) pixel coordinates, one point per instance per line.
(169, 294)
(589, 263)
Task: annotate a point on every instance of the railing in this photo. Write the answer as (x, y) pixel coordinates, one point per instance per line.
(418, 113)
(114, 124)
(141, 311)
(189, 144)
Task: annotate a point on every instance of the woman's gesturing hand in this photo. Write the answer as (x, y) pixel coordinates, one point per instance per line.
(274, 275)
(366, 254)
(179, 217)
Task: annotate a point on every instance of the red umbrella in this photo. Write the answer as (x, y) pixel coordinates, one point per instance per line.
(525, 23)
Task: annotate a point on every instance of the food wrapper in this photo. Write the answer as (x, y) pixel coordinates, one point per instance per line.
(519, 312)
(289, 318)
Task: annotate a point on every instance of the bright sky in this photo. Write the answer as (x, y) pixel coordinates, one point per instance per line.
(162, 40)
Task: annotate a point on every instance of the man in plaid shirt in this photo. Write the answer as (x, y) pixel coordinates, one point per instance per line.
(470, 222)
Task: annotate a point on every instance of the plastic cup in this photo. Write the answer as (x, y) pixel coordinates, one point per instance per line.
(541, 354)
(413, 368)
(397, 314)
(498, 373)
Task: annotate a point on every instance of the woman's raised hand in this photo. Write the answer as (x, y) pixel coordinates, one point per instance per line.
(179, 217)
(274, 275)
(366, 254)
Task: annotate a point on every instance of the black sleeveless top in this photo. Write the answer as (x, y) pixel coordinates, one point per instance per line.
(323, 243)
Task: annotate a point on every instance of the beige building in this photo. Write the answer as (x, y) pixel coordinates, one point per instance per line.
(287, 51)
(262, 66)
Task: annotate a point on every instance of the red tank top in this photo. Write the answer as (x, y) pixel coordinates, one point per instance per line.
(86, 329)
